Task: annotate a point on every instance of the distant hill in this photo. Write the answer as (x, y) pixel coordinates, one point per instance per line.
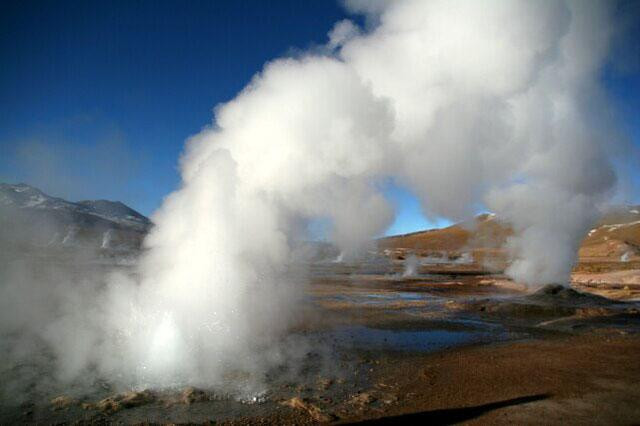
(616, 237)
(484, 231)
(29, 217)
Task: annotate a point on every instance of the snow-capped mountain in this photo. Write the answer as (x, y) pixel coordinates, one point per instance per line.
(28, 216)
(117, 212)
(25, 196)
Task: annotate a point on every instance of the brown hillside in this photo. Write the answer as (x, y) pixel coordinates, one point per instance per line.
(616, 237)
(484, 232)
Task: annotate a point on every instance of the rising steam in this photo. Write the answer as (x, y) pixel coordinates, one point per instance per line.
(465, 103)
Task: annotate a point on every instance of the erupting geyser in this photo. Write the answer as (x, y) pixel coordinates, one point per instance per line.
(465, 103)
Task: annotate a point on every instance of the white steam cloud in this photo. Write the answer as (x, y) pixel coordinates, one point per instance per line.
(466, 103)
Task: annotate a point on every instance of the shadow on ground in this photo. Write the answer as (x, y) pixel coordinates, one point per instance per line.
(450, 416)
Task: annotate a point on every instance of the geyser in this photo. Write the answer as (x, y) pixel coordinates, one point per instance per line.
(465, 103)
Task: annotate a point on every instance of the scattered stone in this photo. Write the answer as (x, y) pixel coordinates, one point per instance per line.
(62, 402)
(135, 399)
(115, 403)
(388, 398)
(362, 399)
(191, 395)
(324, 383)
(107, 405)
(454, 305)
(316, 413)
(589, 312)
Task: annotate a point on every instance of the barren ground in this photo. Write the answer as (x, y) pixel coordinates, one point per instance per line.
(452, 344)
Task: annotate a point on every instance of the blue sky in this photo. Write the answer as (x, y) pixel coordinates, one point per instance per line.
(97, 98)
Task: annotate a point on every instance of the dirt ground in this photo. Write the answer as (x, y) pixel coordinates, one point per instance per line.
(445, 346)
(587, 379)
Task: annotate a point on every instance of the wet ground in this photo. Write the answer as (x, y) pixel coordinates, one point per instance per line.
(451, 344)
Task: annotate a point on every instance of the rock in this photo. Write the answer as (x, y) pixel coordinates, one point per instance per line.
(135, 399)
(107, 405)
(557, 293)
(191, 395)
(324, 383)
(385, 387)
(362, 399)
(454, 305)
(62, 402)
(590, 312)
(316, 413)
(118, 402)
(388, 398)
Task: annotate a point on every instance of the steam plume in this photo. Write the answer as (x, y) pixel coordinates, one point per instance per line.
(466, 103)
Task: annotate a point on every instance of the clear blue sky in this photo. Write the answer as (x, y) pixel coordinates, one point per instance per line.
(97, 97)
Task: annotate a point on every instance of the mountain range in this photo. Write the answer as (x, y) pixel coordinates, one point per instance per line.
(29, 217)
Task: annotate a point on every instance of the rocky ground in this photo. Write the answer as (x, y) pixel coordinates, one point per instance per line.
(443, 346)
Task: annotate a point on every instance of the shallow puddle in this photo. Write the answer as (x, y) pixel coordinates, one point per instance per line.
(381, 298)
(368, 338)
